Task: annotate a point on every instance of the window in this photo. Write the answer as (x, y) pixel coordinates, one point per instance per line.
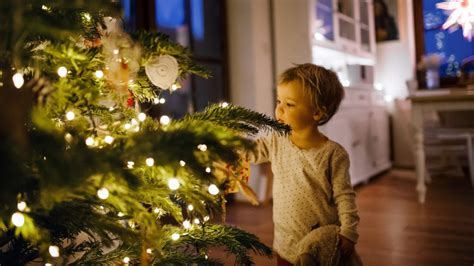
(200, 26)
(454, 49)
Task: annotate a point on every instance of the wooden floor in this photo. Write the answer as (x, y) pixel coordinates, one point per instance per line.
(395, 229)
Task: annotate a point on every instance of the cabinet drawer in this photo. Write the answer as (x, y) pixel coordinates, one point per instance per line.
(357, 98)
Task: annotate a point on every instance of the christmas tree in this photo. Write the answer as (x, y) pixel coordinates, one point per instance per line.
(87, 178)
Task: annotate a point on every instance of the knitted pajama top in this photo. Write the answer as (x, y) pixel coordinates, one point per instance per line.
(311, 188)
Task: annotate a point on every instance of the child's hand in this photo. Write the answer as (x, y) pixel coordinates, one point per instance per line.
(347, 246)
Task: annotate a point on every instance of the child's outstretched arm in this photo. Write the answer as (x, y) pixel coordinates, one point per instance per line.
(344, 197)
(261, 151)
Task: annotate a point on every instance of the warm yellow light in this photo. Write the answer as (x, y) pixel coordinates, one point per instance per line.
(62, 72)
(18, 219)
(130, 164)
(190, 207)
(103, 193)
(213, 189)
(150, 161)
(196, 221)
(70, 115)
(164, 120)
(90, 141)
(224, 104)
(175, 236)
(182, 163)
(173, 183)
(18, 80)
(187, 224)
(21, 205)
(141, 116)
(54, 251)
(99, 74)
(149, 251)
(109, 139)
(126, 260)
(202, 147)
(208, 169)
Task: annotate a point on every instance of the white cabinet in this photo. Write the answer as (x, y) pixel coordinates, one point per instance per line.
(346, 26)
(361, 126)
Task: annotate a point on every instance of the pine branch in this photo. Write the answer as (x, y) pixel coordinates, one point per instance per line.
(237, 118)
(237, 241)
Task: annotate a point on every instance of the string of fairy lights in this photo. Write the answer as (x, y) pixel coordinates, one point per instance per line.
(103, 193)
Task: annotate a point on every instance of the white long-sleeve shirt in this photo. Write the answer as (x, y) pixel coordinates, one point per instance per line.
(311, 188)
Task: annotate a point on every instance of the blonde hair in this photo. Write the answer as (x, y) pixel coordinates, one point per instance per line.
(320, 84)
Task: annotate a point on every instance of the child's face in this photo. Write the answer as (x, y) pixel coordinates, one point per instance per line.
(294, 107)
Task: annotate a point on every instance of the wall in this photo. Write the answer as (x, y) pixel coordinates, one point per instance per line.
(250, 65)
(292, 33)
(395, 64)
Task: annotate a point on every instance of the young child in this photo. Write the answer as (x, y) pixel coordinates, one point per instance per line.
(314, 210)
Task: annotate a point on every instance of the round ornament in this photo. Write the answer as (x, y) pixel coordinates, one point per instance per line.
(162, 71)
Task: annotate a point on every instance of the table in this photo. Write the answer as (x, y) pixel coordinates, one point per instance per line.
(427, 101)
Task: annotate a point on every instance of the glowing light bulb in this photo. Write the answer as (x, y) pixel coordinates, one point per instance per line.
(156, 101)
(164, 120)
(130, 164)
(158, 211)
(149, 251)
(206, 218)
(120, 214)
(126, 260)
(150, 161)
(99, 74)
(116, 51)
(162, 100)
(173, 184)
(174, 87)
(90, 141)
(18, 80)
(190, 207)
(182, 163)
(134, 122)
(196, 221)
(54, 251)
(68, 137)
(18, 219)
(141, 116)
(109, 139)
(208, 169)
(187, 224)
(175, 236)
(213, 189)
(103, 193)
(127, 126)
(87, 16)
(224, 104)
(202, 147)
(70, 115)
(62, 72)
(21, 205)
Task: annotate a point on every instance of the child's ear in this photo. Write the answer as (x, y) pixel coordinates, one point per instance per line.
(317, 115)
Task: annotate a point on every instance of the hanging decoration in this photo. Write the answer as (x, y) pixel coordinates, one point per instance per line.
(162, 71)
(461, 14)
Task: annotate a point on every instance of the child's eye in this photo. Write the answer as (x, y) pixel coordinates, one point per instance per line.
(290, 105)
(278, 101)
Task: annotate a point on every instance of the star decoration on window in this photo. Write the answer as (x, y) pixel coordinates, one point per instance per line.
(461, 14)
